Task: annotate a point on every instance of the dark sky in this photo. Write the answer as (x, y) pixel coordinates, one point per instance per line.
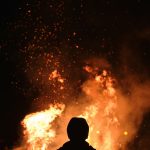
(81, 28)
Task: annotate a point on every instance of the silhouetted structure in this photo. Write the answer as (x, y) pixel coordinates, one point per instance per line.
(77, 131)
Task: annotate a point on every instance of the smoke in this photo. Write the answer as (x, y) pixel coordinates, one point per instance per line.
(113, 105)
(114, 109)
(133, 106)
(115, 117)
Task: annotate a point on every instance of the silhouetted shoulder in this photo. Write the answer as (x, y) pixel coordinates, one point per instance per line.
(76, 146)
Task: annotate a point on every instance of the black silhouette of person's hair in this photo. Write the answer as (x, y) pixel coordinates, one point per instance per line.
(77, 129)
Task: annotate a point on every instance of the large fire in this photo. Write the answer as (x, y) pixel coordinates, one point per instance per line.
(39, 131)
(101, 114)
(102, 106)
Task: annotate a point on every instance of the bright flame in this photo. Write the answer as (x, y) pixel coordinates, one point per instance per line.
(104, 109)
(101, 114)
(56, 75)
(38, 126)
(125, 133)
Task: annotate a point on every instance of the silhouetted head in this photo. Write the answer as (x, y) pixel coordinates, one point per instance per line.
(77, 129)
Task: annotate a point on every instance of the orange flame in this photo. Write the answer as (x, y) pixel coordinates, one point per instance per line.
(101, 114)
(99, 109)
(38, 127)
(56, 75)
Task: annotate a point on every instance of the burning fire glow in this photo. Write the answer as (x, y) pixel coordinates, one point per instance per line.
(101, 114)
(38, 127)
(55, 75)
(102, 106)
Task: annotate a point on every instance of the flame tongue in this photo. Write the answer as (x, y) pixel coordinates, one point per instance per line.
(38, 127)
(101, 113)
(99, 107)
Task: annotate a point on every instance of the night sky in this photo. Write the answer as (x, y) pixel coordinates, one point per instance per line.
(73, 30)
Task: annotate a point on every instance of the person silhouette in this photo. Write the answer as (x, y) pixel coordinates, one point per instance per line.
(77, 131)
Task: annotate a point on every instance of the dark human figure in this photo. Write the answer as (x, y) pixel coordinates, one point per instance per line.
(77, 131)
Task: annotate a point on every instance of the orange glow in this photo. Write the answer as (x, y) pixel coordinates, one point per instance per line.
(99, 106)
(101, 114)
(125, 133)
(56, 75)
(61, 80)
(88, 69)
(38, 127)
